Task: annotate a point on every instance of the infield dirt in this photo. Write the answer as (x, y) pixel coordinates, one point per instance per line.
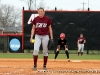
(60, 67)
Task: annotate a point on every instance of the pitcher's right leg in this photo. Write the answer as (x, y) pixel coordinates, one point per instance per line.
(79, 49)
(36, 50)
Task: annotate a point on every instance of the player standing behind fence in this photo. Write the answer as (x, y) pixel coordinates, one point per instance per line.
(41, 28)
(62, 43)
(80, 43)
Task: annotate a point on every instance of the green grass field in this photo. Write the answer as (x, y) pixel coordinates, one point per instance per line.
(51, 56)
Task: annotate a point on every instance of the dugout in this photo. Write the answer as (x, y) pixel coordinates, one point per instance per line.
(3, 43)
(72, 23)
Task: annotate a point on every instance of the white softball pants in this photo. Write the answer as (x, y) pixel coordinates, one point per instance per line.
(44, 39)
(81, 47)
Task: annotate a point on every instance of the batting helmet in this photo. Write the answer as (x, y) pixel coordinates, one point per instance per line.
(62, 35)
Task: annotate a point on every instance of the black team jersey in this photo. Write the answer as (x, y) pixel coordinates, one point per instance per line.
(62, 42)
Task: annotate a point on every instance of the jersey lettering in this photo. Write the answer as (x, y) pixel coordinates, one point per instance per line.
(80, 39)
(41, 25)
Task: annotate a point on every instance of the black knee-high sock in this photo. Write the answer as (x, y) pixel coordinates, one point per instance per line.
(56, 54)
(81, 53)
(67, 54)
(78, 53)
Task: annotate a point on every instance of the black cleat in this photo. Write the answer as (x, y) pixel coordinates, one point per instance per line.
(44, 67)
(35, 67)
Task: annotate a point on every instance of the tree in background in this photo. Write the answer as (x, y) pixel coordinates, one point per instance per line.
(30, 3)
(33, 5)
(41, 4)
(9, 15)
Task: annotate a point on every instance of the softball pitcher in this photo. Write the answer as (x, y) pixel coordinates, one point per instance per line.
(80, 43)
(41, 29)
(62, 43)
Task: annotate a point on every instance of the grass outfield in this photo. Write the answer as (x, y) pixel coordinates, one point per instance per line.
(51, 56)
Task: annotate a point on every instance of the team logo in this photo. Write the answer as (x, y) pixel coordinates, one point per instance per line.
(32, 18)
(62, 42)
(14, 44)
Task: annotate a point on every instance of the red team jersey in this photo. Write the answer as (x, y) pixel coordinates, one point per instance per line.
(81, 40)
(41, 25)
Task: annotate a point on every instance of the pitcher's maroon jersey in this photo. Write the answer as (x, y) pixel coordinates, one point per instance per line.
(41, 25)
(81, 40)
